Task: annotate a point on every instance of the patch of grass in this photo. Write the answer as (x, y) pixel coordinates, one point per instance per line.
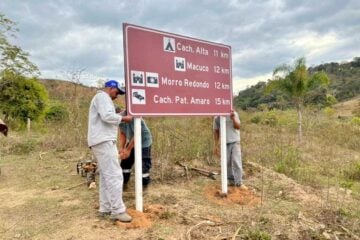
(25, 147)
(287, 160)
(256, 235)
(167, 215)
(165, 199)
(355, 121)
(353, 172)
(312, 234)
(346, 184)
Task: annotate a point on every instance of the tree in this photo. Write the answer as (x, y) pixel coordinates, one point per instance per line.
(22, 97)
(295, 82)
(12, 57)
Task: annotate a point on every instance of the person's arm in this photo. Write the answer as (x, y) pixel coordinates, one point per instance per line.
(235, 119)
(122, 140)
(122, 143)
(216, 132)
(107, 112)
(126, 118)
(130, 145)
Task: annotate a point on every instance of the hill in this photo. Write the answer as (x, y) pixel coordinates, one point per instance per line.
(69, 92)
(348, 108)
(344, 85)
(345, 78)
(64, 90)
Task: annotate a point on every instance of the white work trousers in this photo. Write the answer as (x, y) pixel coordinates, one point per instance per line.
(111, 178)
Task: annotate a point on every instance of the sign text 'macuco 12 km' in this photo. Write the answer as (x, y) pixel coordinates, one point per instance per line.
(168, 74)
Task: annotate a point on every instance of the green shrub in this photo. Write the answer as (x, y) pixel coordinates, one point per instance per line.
(263, 107)
(346, 184)
(22, 98)
(356, 121)
(330, 100)
(257, 235)
(271, 118)
(56, 112)
(256, 119)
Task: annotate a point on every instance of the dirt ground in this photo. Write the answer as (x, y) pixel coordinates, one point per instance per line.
(38, 200)
(235, 195)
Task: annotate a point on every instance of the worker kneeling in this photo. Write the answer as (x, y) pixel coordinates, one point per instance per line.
(127, 153)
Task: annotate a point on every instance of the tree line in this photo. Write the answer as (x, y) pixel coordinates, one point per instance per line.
(344, 84)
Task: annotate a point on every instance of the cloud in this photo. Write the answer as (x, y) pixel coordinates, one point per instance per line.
(243, 83)
(263, 34)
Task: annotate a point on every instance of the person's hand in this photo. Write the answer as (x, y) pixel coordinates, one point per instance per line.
(125, 153)
(232, 115)
(122, 155)
(127, 118)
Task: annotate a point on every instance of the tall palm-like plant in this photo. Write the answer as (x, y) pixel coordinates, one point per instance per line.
(295, 82)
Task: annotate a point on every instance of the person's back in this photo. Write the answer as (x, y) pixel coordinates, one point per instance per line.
(128, 129)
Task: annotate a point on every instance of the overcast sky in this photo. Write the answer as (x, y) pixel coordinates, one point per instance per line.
(68, 35)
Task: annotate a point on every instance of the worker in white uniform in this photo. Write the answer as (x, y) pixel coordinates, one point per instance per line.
(102, 137)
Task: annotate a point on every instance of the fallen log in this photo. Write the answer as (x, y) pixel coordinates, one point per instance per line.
(204, 172)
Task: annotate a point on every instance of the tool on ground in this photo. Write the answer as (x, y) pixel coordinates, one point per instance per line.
(87, 168)
(204, 172)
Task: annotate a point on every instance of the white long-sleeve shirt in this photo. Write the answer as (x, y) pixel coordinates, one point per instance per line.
(103, 120)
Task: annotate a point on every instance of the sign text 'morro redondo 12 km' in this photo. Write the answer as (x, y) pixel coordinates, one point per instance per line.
(172, 75)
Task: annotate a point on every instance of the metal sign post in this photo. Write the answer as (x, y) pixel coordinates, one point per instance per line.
(224, 187)
(138, 165)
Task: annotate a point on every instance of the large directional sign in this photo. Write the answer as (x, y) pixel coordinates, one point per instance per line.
(168, 74)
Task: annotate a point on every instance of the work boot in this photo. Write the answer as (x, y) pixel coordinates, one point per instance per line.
(122, 217)
(242, 186)
(231, 183)
(104, 214)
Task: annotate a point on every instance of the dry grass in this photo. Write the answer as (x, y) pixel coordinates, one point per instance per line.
(37, 205)
(306, 190)
(347, 108)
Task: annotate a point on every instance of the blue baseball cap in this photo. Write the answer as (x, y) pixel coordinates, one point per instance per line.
(115, 84)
